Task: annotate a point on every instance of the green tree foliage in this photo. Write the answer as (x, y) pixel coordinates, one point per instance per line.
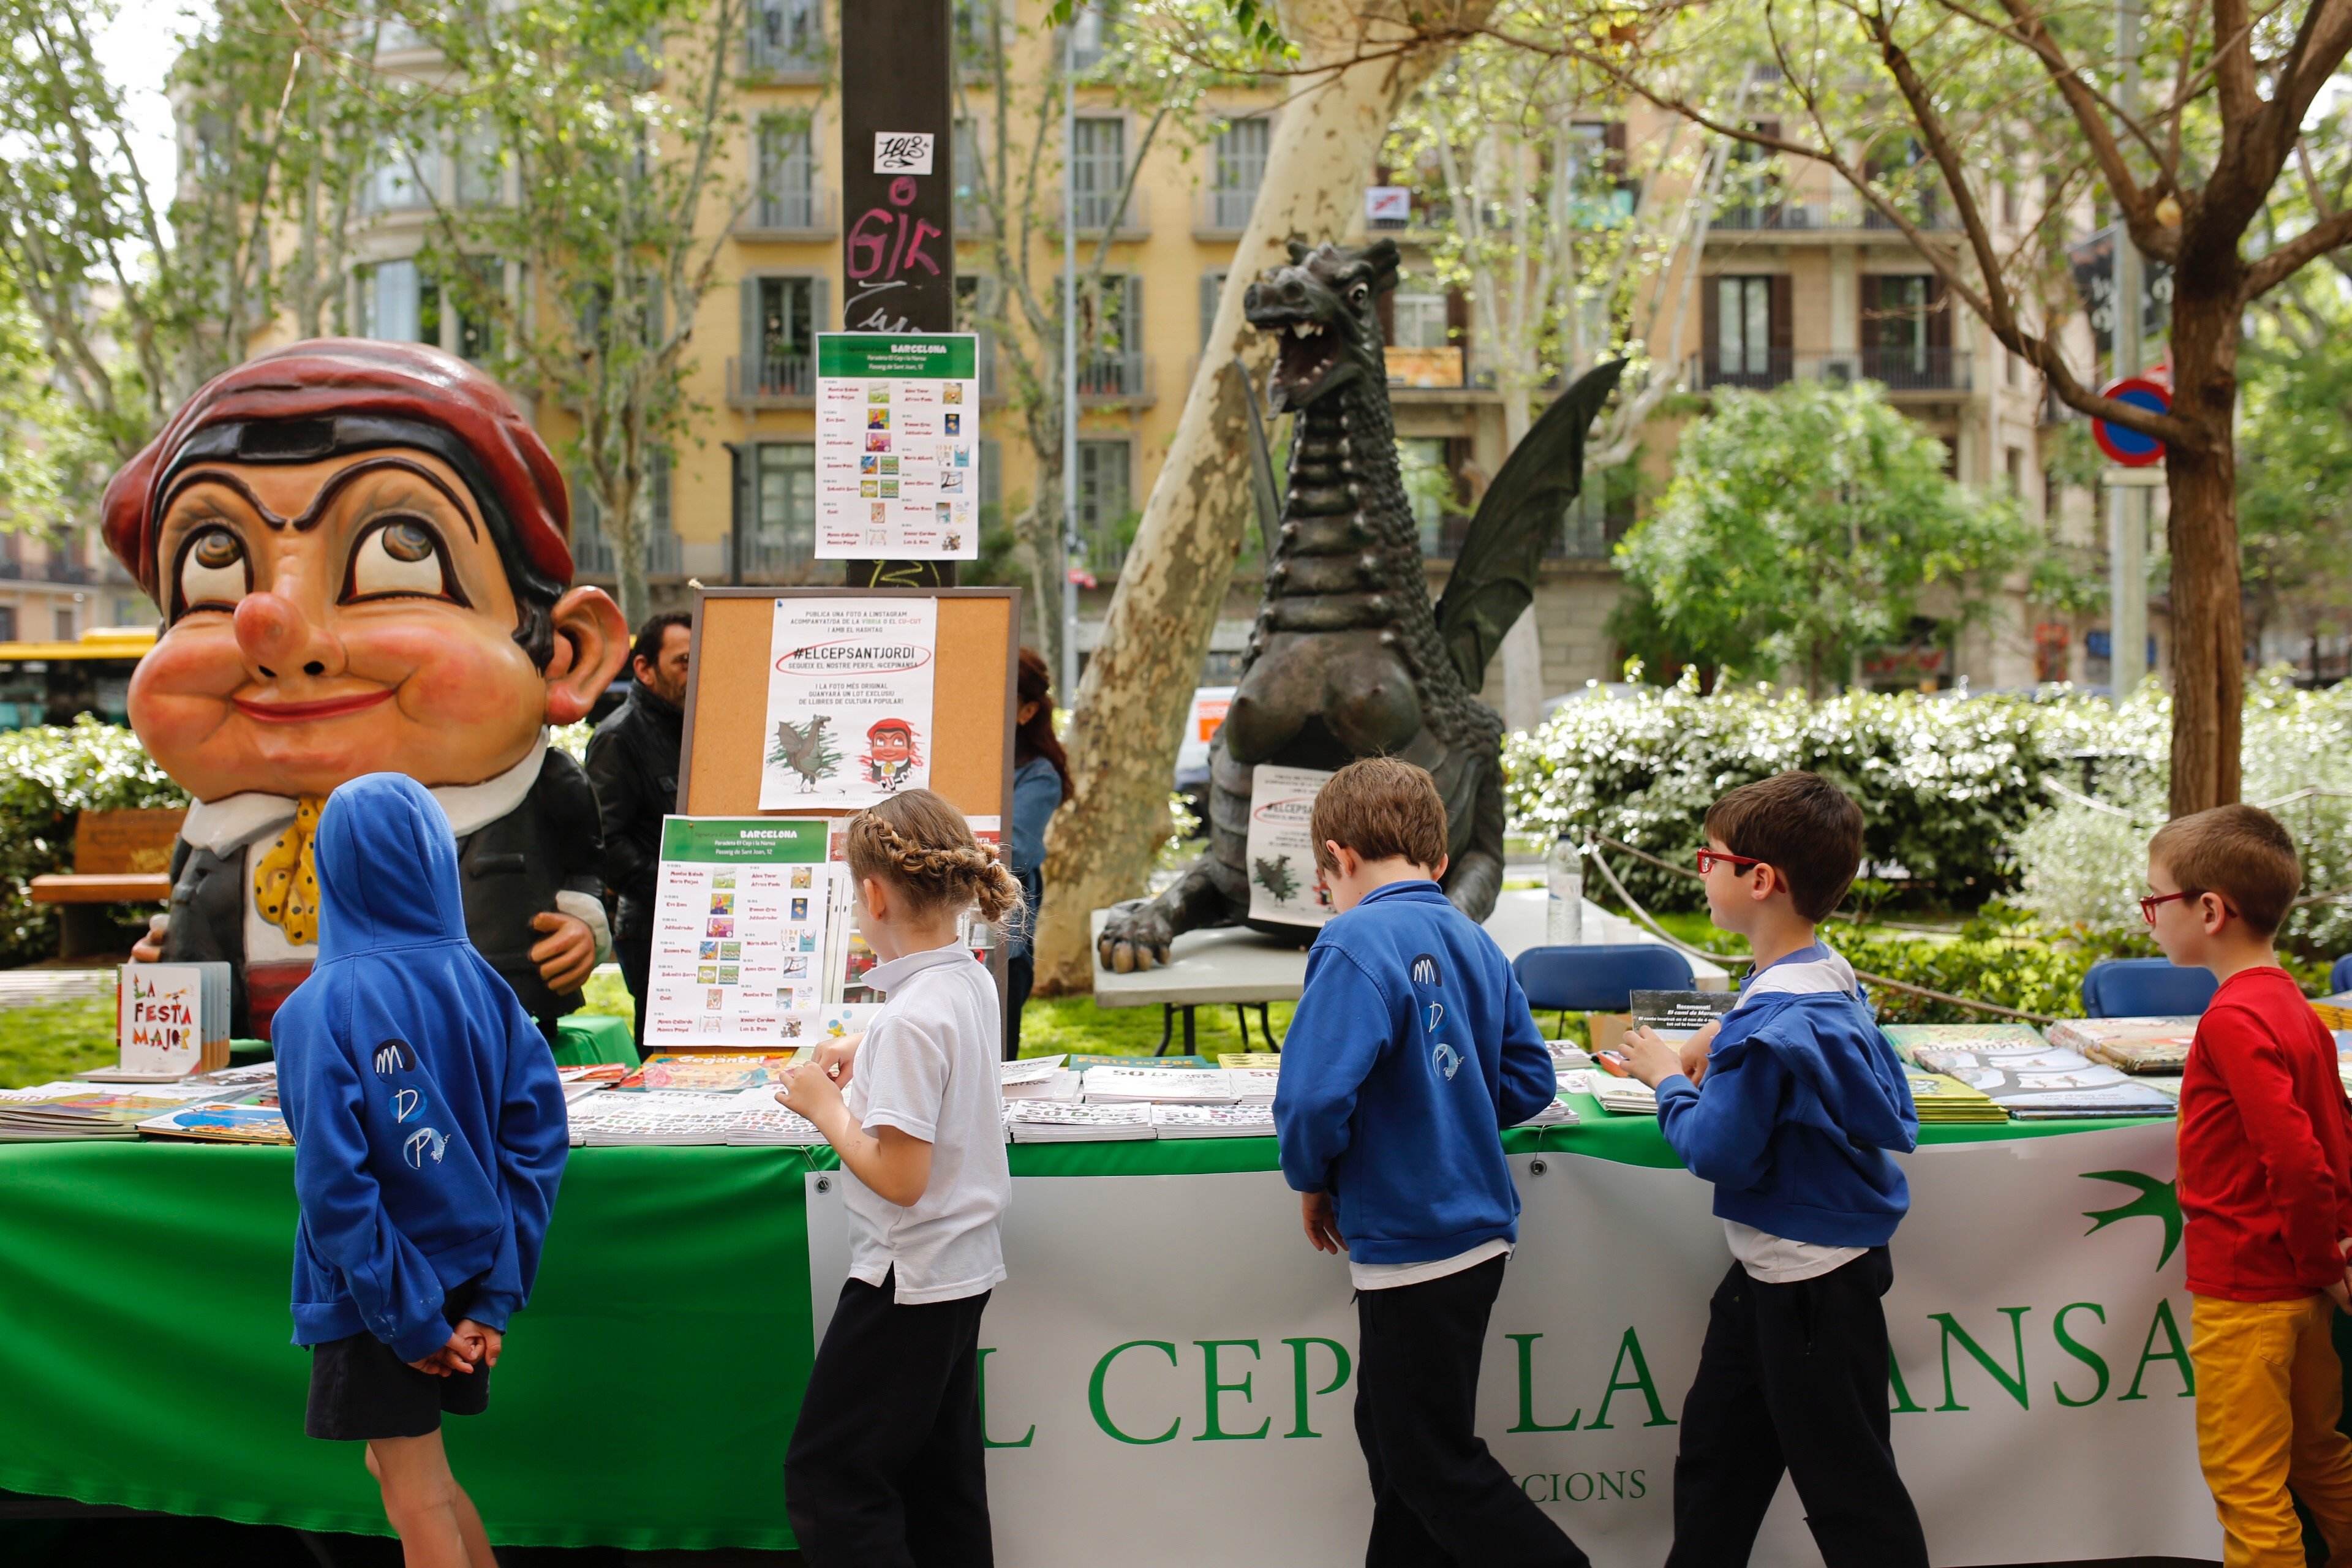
(1802, 527)
(2295, 462)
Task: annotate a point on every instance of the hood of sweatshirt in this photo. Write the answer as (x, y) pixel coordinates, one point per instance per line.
(387, 867)
(1809, 1009)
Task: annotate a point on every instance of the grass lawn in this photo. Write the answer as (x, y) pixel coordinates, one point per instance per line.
(55, 1041)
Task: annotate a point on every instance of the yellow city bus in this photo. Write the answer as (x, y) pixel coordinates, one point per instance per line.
(50, 682)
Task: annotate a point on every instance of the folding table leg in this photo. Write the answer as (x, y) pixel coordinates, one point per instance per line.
(1167, 1026)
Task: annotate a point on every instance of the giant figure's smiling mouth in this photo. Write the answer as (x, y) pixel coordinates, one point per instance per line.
(304, 712)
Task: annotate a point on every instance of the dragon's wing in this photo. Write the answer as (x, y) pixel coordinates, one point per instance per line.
(1261, 485)
(1493, 578)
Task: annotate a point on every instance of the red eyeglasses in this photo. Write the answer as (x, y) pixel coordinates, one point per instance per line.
(1709, 859)
(2154, 901)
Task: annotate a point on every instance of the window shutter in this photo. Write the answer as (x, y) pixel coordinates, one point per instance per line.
(754, 337)
(1871, 309)
(1130, 319)
(1384, 306)
(1939, 314)
(820, 309)
(744, 461)
(1213, 285)
(1457, 320)
(1784, 325)
(1460, 454)
(1710, 324)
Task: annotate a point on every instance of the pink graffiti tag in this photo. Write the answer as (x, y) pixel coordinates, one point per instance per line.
(886, 244)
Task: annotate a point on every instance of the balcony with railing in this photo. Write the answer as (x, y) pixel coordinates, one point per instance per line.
(773, 381)
(1586, 533)
(783, 43)
(1115, 378)
(790, 214)
(1436, 369)
(1846, 217)
(1224, 212)
(1901, 370)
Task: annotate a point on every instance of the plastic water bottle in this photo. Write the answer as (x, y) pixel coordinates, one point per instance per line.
(1564, 894)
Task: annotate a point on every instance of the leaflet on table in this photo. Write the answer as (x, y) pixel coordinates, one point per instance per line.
(740, 922)
(898, 445)
(849, 701)
(1284, 884)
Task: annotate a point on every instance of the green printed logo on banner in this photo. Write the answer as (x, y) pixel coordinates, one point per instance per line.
(766, 840)
(2157, 1200)
(911, 356)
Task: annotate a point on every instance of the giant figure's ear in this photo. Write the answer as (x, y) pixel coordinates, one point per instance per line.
(591, 641)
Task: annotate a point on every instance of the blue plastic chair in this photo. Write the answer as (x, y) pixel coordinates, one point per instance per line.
(1600, 978)
(2146, 987)
(2339, 979)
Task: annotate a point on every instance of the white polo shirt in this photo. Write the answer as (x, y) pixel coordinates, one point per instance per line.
(927, 1067)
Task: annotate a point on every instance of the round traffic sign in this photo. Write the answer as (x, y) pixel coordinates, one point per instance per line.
(2129, 447)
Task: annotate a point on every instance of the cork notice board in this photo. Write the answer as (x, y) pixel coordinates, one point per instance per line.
(971, 751)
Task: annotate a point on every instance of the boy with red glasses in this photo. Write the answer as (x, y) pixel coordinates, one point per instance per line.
(1794, 1107)
(2265, 1187)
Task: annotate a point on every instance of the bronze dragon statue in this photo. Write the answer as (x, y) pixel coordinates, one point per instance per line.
(1348, 659)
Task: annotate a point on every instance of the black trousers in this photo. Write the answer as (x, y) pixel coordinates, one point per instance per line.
(635, 953)
(1439, 1497)
(1794, 1377)
(886, 1468)
(1020, 975)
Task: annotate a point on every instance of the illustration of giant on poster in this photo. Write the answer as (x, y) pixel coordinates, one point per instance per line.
(849, 701)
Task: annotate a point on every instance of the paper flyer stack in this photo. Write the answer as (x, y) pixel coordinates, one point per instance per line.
(1058, 1122)
(2157, 1046)
(1623, 1096)
(1159, 1086)
(1249, 1120)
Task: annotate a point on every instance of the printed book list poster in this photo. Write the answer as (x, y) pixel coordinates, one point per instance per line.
(898, 445)
(849, 701)
(1284, 884)
(738, 929)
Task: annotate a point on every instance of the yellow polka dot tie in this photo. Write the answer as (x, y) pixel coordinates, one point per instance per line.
(286, 880)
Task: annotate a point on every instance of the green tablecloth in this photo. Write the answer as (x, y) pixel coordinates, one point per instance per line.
(143, 1335)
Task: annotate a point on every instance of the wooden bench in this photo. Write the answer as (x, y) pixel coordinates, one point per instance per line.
(120, 857)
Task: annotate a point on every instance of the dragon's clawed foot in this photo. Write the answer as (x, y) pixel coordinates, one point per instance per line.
(1135, 936)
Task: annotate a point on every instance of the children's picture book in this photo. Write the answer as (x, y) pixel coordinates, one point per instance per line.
(760, 1123)
(1062, 1084)
(712, 1073)
(2038, 1081)
(1945, 1101)
(1231, 1061)
(1676, 1015)
(1909, 1039)
(1080, 1062)
(2148, 1045)
(678, 1117)
(75, 1111)
(170, 1020)
(2335, 1011)
(217, 1121)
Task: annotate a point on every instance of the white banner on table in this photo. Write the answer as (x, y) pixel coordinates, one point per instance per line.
(849, 701)
(1284, 883)
(1162, 1340)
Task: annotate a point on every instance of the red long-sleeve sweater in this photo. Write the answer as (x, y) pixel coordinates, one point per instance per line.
(2265, 1179)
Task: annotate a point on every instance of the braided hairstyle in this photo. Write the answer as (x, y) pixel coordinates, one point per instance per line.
(921, 845)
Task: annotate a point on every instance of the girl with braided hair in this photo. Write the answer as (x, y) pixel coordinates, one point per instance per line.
(886, 1464)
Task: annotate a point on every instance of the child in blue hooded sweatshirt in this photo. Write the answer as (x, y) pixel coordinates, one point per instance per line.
(429, 1135)
(1794, 1106)
(1411, 1049)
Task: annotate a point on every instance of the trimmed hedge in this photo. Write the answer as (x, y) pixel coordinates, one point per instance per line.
(48, 777)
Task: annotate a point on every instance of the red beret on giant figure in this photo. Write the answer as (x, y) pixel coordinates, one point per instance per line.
(362, 552)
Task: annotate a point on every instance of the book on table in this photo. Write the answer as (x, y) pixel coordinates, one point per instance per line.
(1557, 1112)
(1212, 1120)
(170, 1020)
(1943, 1100)
(658, 1117)
(1057, 1122)
(1622, 1096)
(1254, 1085)
(1083, 1062)
(1028, 1069)
(1130, 1085)
(257, 1120)
(69, 1113)
(2335, 1011)
(1061, 1084)
(2141, 1045)
(760, 1123)
(1909, 1039)
(1241, 1061)
(715, 1072)
(2044, 1082)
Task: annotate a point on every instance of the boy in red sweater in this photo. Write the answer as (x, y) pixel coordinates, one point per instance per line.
(2265, 1185)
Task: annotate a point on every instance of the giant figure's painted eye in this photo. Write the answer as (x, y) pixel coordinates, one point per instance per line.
(399, 558)
(214, 571)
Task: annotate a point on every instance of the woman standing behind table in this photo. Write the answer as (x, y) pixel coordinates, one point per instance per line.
(1041, 782)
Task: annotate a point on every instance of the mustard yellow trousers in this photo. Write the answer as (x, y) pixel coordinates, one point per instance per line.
(2269, 1390)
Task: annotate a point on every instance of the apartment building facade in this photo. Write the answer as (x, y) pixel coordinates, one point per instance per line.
(1807, 285)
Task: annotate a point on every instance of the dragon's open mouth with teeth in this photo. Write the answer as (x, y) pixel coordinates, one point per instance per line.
(1316, 336)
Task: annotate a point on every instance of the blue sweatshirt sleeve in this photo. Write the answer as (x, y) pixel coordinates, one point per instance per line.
(1335, 1038)
(534, 1140)
(391, 1282)
(1723, 1131)
(1530, 1082)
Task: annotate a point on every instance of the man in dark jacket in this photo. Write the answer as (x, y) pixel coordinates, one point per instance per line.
(633, 762)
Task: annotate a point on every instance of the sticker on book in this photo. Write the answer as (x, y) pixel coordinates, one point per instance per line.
(1285, 886)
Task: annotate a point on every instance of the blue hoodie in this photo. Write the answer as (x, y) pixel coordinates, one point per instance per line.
(1411, 1049)
(1803, 1103)
(429, 1129)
